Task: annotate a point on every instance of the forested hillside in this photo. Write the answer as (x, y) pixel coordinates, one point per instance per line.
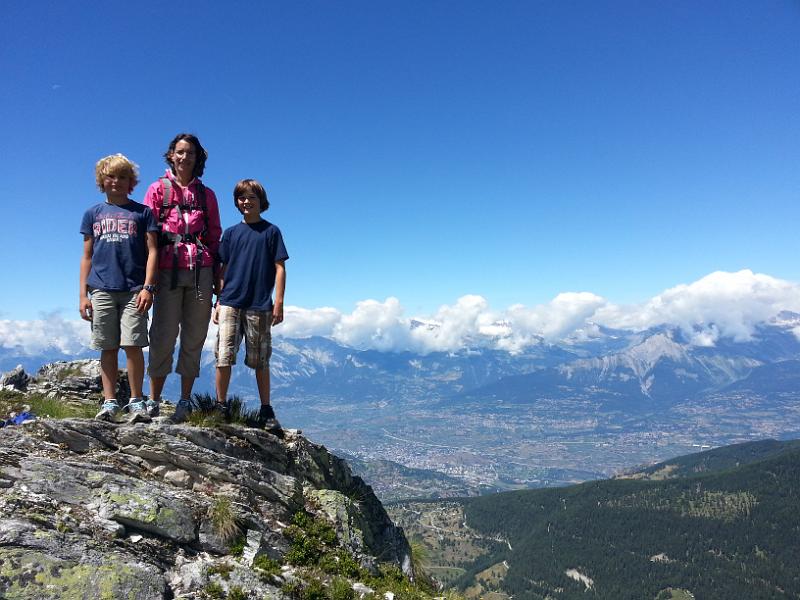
(732, 533)
(718, 459)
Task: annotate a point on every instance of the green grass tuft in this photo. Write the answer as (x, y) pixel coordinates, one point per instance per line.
(42, 406)
(224, 520)
(266, 567)
(237, 593)
(213, 591)
(204, 414)
(341, 589)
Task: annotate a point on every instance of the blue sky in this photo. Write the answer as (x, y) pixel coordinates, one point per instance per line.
(421, 150)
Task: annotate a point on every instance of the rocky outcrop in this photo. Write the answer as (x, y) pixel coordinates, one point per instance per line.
(150, 511)
(72, 381)
(15, 380)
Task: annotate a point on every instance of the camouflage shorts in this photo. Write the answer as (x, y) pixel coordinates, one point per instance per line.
(254, 326)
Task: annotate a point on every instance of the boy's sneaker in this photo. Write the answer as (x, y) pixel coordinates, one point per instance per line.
(138, 412)
(153, 407)
(266, 419)
(182, 411)
(108, 411)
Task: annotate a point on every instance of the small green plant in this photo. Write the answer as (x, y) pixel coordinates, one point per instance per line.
(315, 548)
(420, 562)
(315, 590)
(68, 372)
(62, 527)
(237, 545)
(340, 562)
(293, 590)
(310, 538)
(356, 495)
(391, 579)
(341, 589)
(223, 519)
(222, 569)
(213, 591)
(266, 567)
(237, 593)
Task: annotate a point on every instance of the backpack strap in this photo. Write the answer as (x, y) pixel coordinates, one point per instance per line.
(166, 201)
(201, 197)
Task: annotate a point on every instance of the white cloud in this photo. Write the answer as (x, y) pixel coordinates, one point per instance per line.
(455, 325)
(375, 325)
(722, 304)
(304, 322)
(563, 315)
(48, 333)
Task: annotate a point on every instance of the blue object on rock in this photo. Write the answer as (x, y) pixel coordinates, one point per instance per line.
(18, 419)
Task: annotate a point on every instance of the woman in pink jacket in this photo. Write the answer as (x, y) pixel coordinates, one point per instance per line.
(188, 271)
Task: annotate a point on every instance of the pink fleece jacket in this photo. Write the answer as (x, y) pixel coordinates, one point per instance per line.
(186, 221)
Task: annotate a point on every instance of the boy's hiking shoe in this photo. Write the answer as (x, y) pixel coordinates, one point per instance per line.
(153, 407)
(266, 419)
(182, 411)
(108, 411)
(138, 412)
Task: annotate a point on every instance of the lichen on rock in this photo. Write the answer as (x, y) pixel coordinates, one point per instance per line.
(93, 509)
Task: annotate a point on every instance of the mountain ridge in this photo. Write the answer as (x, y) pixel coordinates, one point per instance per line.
(727, 531)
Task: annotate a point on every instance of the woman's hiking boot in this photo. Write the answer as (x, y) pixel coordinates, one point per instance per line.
(137, 412)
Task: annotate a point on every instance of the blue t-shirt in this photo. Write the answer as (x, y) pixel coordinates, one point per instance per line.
(249, 252)
(119, 254)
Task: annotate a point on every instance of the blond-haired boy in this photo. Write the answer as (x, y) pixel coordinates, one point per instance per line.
(117, 280)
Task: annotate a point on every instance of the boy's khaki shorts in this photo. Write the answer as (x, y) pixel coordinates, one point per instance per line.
(255, 326)
(115, 321)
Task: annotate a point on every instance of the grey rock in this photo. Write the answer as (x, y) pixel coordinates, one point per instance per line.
(76, 380)
(16, 379)
(88, 506)
(362, 590)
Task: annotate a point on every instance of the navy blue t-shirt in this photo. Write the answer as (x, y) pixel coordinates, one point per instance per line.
(119, 254)
(249, 252)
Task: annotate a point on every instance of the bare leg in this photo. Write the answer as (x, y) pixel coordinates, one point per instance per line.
(186, 386)
(156, 385)
(262, 381)
(108, 372)
(135, 359)
(223, 379)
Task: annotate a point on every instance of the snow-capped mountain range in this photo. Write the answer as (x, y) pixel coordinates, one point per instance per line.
(660, 364)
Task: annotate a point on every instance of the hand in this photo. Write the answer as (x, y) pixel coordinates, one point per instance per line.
(85, 308)
(215, 314)
(277, 314)
(144, 301)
